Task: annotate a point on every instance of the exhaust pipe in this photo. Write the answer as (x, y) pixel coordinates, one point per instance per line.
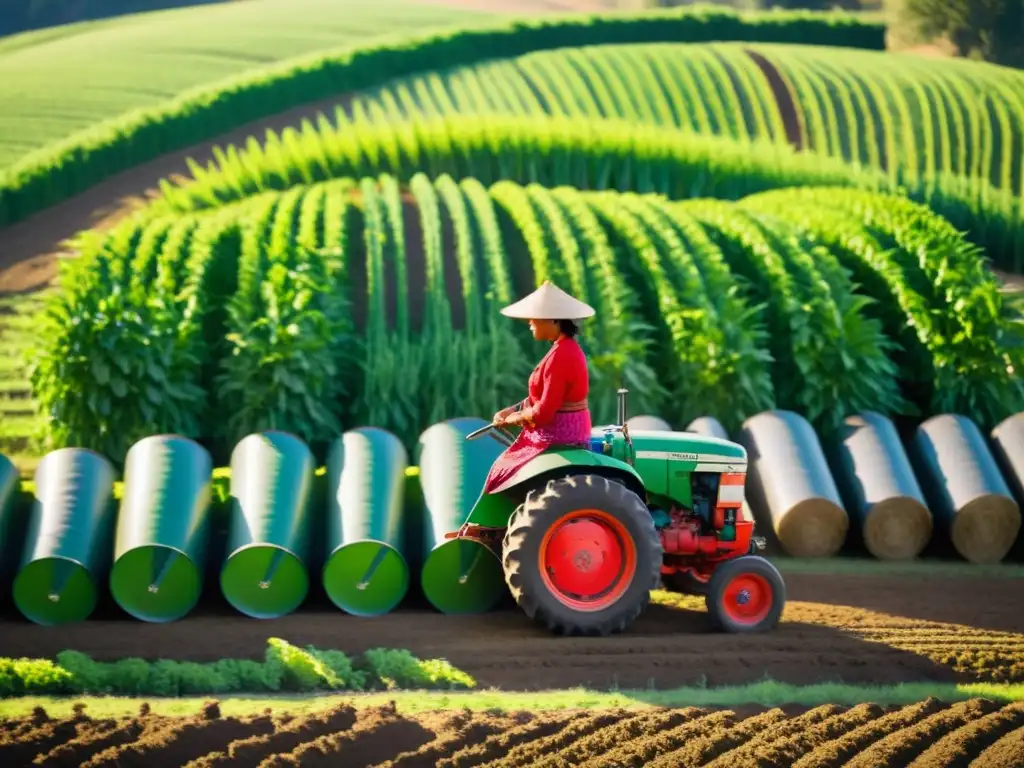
(622, 405)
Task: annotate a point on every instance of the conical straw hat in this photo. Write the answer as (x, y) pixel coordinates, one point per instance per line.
(548, 302)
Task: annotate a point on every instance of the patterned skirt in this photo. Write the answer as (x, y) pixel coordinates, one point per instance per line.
(566, 429)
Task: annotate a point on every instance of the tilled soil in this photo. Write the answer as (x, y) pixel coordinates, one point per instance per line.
(930, 734)
(857, 629)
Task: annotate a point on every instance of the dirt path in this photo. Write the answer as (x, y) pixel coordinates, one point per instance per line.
(860, 629)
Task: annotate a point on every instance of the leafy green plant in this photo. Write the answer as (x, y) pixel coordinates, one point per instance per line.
(285, 667)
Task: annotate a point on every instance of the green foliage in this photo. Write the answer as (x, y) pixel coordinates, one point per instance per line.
(824, 301)
(397, 668)
(22, 677)
(586, 154)
(285, 668)
(86, 158)
(906, 120)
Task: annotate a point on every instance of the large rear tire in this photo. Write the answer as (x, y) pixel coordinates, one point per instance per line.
(582, 555)
(746, 595)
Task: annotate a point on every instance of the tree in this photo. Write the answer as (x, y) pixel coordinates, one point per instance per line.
(989, 29)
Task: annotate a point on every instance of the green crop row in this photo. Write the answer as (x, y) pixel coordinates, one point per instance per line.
(598, 154)
(348, 303)
(911, 116)
(285, 668)
(86, 158)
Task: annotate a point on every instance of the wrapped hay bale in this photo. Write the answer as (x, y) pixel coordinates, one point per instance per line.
(708, 426)
(967, 494)
(789, 484)
(646, 423)
(878, 485)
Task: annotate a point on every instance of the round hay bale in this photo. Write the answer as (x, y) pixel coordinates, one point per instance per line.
(879, 488)
(967, 494)
(1008, 448)
(790, 486)
(708, 426)
(648, 423)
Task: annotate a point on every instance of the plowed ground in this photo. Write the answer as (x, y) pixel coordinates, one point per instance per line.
(929, 734)
(855, 629)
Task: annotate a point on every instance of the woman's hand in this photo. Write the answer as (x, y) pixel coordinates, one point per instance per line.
(521, 418)
(500, 418)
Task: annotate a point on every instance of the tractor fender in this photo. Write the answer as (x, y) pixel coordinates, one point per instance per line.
(573, 461)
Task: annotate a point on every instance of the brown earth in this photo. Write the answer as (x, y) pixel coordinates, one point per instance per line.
(977, 732)
(857, 629)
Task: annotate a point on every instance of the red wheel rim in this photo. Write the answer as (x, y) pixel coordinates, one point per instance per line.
(587, 560)
(747, 599)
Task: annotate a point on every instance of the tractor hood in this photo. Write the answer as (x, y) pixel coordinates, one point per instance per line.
(697, 453)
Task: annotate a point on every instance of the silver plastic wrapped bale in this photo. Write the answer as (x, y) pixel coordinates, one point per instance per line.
(874, 474)
(1008, 448)
(790, 486)
(708, 426)
(649, 423)
(967, 494)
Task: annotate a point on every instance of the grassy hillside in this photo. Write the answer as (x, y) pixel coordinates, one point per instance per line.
(908, 115)
(63, 168)
(61, 84)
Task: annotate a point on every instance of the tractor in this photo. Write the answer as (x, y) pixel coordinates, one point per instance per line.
(584, 534)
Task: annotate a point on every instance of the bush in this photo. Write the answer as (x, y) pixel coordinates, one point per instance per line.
(285, 668)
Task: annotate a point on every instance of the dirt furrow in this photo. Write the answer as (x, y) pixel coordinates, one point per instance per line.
(899, 747)
(957, 749)
(23, 748)
(182, 740)
(706, 748)
(377, 734)
(283, 738)
(578, 728)
(502, 743)
(783, 753)
(836, 753)
(783, 730)
(639, 752)
(1005, 753)
(92, 741)
(462, 730)
(602, 741)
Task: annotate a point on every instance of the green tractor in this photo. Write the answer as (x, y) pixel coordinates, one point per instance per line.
(583, 536)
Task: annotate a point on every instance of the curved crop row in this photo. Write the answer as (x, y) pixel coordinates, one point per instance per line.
(370, 303)
(61, 170)
(598, 154)
(910, 116)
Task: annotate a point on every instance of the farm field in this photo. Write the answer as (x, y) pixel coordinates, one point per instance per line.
(976, 732)
(780, 226)
(902, 113)
(858, 629)
(57, 86)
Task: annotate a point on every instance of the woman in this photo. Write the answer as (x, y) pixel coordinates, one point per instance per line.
(556, 412)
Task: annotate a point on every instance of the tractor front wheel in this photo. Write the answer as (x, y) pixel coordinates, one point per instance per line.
(582, 555)
(746, 595)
